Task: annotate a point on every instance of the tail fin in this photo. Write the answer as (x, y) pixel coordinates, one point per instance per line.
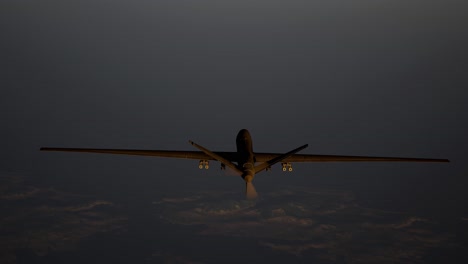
(269, 163)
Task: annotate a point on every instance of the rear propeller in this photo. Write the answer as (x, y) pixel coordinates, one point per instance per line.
(250, 192)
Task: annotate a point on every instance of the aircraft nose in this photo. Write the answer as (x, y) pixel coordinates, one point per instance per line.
(243, 134)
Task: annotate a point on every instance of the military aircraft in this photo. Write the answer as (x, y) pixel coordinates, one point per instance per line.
(248, 162)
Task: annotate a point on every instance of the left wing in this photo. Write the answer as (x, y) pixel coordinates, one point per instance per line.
(231, 156)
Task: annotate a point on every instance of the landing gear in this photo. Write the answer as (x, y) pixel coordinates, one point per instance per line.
(203, 163)
(223, 166)
(286, 166)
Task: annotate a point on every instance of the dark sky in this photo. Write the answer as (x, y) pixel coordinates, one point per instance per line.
(384, 78)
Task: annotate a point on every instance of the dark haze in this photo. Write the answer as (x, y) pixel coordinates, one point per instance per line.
(364, 77)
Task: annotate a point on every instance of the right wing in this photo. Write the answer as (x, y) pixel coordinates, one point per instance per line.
(262, 157)
(231, 156)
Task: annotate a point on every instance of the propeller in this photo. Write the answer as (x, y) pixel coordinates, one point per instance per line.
(250, 191)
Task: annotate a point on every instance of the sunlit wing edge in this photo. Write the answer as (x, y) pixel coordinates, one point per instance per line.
(262, 157)
(154, 153)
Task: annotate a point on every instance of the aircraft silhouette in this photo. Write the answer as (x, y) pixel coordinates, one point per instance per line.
(248, 162)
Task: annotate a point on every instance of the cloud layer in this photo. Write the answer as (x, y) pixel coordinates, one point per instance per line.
(321, 225)
(38, 221)
(45, 225)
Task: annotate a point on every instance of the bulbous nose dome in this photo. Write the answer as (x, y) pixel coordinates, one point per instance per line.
(243, 135)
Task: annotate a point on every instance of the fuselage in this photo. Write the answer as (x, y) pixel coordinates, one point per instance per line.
(246, 159)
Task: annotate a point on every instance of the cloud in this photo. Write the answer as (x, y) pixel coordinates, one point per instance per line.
(178, 200)
(289, 220)
(409, 221)
(322, 225)
(316, 226)
(21, 195)
(295, 249)
(76, 208)
(405, 222)
(46, 220)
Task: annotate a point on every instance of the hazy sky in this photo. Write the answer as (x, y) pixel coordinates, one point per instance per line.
(385, 78)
